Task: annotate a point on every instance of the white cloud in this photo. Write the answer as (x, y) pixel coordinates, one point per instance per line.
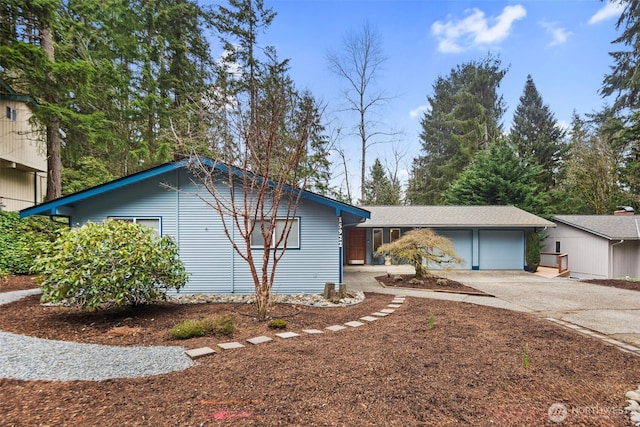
(612, 9)
(418, 111)
(558, 34)
(475, 30)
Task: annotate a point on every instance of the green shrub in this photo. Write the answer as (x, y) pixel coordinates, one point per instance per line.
(278, 324)
(21, 240)
(114, 262)
(206, 326)
(532, 252)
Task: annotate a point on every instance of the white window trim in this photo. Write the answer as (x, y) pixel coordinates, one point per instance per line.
(135, 220)
(373, 238)
(274, 237)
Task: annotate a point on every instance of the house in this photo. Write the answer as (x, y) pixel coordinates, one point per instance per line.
(486, 237)
(23, 163)
(599, 246)
(169, 199)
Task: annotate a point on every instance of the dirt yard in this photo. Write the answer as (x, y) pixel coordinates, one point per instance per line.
(472, 365)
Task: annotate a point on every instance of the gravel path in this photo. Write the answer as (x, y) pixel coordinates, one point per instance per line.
(29, 358)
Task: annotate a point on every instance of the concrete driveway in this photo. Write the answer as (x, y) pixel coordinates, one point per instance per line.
(608, 313)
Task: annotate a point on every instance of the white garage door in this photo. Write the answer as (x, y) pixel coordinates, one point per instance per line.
(501, 249)
(462, 243)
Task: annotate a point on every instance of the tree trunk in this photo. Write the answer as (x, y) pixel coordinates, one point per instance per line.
(262, 304)
(54, 162)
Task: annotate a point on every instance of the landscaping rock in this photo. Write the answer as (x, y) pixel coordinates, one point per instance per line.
(633, 395)
(416, 282)
(442, 282)
(397, 278)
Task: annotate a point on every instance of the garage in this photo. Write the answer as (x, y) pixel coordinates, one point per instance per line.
(485, 237)
(501, 249)
(463, 245)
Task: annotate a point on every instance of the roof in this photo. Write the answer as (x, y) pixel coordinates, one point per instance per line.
(452, 217)
(51, 208)
(7, 93)
(611, 227)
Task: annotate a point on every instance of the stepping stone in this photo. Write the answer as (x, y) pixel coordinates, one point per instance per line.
(397, 301)
(259, 340)
(379, 314)
(387, 310)
(199, 352)
(312, 331)
(287, 335)
(394, 305)
(369, 318)
(336, 328)
(230, 345)
(354, 323)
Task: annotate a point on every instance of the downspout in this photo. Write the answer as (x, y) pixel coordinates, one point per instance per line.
(611, 257)
(35, 188)
(340, 246)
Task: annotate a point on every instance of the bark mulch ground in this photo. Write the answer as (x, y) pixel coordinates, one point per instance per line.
(430, 283)
(633, 285)
(474, 365)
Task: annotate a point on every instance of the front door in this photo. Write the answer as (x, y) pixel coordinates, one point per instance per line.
(356, 245)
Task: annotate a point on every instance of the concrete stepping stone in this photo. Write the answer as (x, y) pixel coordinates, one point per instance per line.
(336, 328)
(387, 310)
(369, 318)
(312, 331)
(259, 340)
(397, 301)
(394, 305)
(230, 345)
(197, 353)
(379, 314)
(354, 323)
(287, 335)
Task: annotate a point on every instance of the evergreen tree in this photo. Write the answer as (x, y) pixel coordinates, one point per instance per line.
(379, 188)
(37, 57)
(497, 177)
(590, 185)
(464, 118)
(623, 79)
(536, 135)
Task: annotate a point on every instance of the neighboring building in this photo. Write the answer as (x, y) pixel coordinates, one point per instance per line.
(23, 163)
(486, 237)
(167, 199)
(599, 246)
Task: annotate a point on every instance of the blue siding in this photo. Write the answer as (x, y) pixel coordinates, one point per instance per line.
(501, 249)
(142, 199)
(205, 249)
(303, 270)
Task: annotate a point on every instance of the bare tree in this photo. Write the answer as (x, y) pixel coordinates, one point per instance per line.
(269, 143)
(358, 63)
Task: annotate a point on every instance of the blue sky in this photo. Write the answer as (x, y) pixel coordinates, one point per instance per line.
(563, 44)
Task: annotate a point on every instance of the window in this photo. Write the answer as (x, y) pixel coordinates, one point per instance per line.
(394, 235)
(293, 240)
(149, 222)
(12, 114)
(377, 238)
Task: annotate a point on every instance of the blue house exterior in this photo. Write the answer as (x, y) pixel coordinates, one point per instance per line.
(485, 237)
(168, 198)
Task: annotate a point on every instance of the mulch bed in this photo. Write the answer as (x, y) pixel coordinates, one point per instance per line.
(468, 368)
(632, 285)
(17, 283)
(431, 283)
